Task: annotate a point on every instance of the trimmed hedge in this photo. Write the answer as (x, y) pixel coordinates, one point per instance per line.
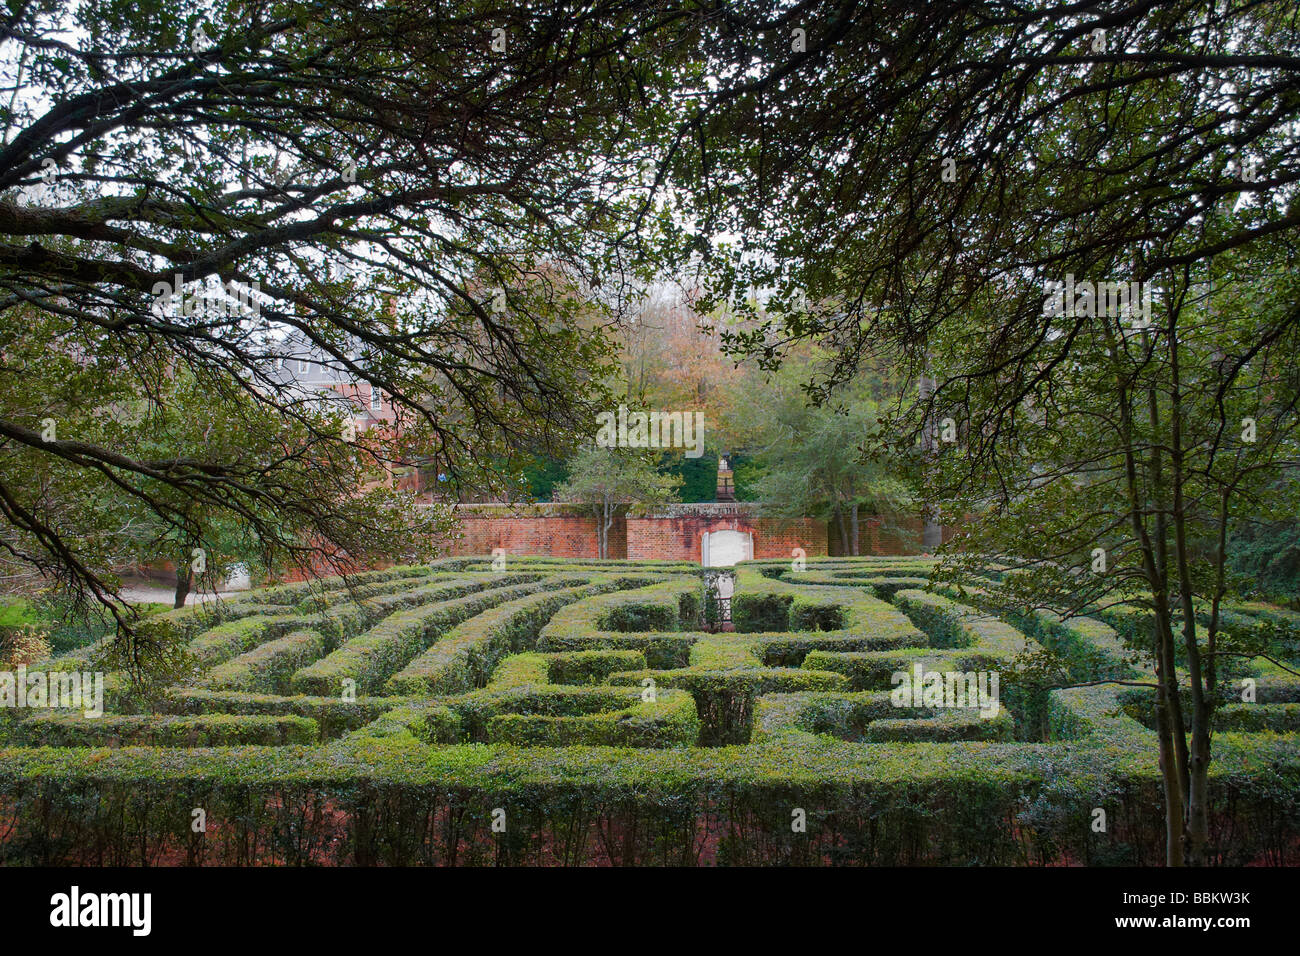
(1091, 647)
(660, 649)
(520, 706)
(972, 629)
(211, 730)
(464, 657)
(591, 667)
(872, 716)
(1278, 718)
(582, 626)
(751, 612)
(793, 650)
(934, 615)
(334, 716)
(232, 638)
(950, 725)
(958, 803)
(269, 667)
(872, 670)
(723, 652)
(669, 721)
(830, 618)
(540, 712)
(356, 593)
(724, 699)
(426, 721)
(388, 646)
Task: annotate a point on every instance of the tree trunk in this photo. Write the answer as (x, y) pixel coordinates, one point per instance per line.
(1197, 840)
(1160, 584)
(1170, 774)
(602, 538)
(931, 530)
(1196, 834)
(844, 531)
(853, 525)
(1170, 769)
(184, 576)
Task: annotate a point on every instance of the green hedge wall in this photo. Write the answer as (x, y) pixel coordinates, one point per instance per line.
(974, 803)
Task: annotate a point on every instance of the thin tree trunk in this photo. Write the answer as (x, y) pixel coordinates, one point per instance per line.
(1164, 612)
(1173, 738)
(931, 530)
(183, 578)
(602, 539)
(1197, 833)
(853, 524)
(1169, 769)
(844, 532)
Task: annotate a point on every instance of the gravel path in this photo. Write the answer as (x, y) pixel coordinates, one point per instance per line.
(143, 593)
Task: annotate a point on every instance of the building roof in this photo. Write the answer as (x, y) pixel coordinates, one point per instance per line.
(302, 362)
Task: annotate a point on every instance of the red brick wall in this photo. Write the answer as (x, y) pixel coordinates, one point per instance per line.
(885, 535)
(680, 538)
(666, 539)
(671, 534)
(777, 539)
(559, 536)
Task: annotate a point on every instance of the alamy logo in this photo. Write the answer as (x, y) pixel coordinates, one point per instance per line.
(626, 429)
(1071, 299)
(61, 689)
(198, 298)
(75, 908)
(951, 689)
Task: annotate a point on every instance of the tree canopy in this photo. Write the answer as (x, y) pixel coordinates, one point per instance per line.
(443, 199)
(964, 190)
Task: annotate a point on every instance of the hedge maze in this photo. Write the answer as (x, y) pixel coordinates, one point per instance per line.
(580, 712)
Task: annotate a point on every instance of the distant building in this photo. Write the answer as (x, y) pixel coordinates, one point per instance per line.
(303, 369)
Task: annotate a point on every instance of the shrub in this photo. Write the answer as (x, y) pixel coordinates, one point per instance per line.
(669, 721)
(638, 616)
(464, 657)
(936, 616)
(591, 667)
(232, 638)
(806, 614)
(22, 644)
(760, 612)
(539, 707)
(333, 716)
(215, 730)
(269, 667)
(376, 655)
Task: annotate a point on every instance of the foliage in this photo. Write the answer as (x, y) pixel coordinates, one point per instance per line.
(822, 459)
(630, 752)
(1267, 560)
(22, 644)
(1157, 150)
(607, 480)
(541, 475)
(185, 190)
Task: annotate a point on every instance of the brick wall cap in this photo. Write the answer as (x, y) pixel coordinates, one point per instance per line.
(702, 509)
(541, 509)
